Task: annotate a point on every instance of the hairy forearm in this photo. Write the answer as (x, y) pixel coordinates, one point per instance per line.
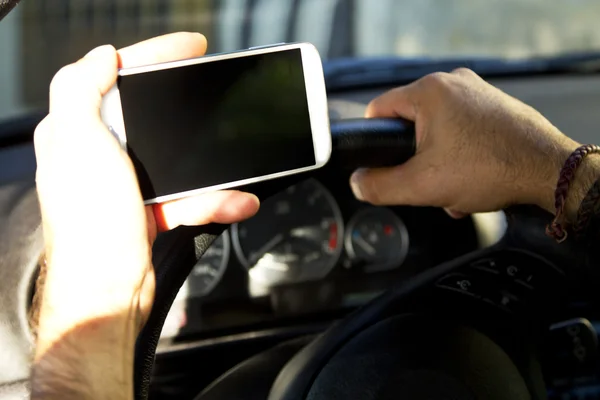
(91, 361)
(83, 355)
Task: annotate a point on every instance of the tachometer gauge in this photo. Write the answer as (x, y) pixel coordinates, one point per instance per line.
(296, 236)
(377, 239)
(210, 267)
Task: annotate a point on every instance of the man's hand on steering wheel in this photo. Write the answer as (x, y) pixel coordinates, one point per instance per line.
(478, 150)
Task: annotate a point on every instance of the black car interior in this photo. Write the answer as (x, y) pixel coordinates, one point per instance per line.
(486, 307)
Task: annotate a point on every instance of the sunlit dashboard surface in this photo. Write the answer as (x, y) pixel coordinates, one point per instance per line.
(312, 249)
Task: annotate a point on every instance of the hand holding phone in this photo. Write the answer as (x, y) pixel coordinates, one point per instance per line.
(90, 205)
(221, 121)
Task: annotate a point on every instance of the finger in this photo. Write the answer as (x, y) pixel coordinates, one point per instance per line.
(77, 89)
(412, 183)
(398, 102)
(224, 207)
(170, 47)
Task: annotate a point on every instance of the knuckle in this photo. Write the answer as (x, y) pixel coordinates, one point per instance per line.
(463, 71)
(467, 75)
(435, 79)
(63, 78)
(41, 131)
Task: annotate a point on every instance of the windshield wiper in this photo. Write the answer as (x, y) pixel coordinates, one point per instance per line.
(342, 74)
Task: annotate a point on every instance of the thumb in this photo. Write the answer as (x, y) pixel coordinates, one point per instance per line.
(412, 183)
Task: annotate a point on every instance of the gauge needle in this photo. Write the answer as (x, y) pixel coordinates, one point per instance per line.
(365, 245)
(305, 232)
(266, 248)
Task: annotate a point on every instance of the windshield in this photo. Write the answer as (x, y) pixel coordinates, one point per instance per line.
(40, 36)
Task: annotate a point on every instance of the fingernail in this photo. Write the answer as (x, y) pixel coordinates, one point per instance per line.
(100, 51)
(355, 184)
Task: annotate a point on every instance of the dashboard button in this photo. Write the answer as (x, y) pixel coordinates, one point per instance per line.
(517, 271)
(487, 265)
(462, 284)
(521, 274)
(571, 350)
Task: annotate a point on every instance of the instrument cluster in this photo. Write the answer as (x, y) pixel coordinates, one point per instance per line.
(299, 235)
(302, 239)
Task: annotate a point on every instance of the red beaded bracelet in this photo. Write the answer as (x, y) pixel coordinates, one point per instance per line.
(566, 176)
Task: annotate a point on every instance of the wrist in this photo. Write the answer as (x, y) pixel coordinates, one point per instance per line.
(69, 367)
(544, 191)
(585, 176)
(76, 296)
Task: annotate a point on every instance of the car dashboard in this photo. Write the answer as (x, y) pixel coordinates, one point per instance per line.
(312, 250)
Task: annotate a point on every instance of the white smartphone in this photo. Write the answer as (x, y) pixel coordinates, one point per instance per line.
(221, 121)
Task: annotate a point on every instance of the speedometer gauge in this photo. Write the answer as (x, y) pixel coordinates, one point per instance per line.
(296, 236)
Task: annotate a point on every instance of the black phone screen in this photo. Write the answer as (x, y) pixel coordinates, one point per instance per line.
(217, 122)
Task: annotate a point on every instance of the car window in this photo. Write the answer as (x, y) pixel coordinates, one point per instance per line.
(40, 36)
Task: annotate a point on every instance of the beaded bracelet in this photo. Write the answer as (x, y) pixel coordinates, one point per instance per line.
(566, 176)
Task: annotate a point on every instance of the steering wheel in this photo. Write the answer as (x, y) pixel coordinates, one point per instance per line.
(467, 329)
